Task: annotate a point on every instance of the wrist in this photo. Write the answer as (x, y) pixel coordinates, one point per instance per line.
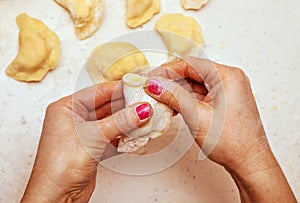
(41, 188)
(259, 159)
(260, 179)
(38, 195)
(58, 185)
(43, 193)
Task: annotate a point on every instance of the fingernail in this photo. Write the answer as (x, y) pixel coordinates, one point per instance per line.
(154, 87)
(143, 111)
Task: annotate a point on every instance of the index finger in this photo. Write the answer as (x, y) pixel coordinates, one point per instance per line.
(94, 97)
(200, 70)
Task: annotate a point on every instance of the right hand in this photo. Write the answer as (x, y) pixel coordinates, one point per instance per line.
(223, 101)
(222, 115)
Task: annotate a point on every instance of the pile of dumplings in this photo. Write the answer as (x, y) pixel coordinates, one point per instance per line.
(39, 50)
(39, 46)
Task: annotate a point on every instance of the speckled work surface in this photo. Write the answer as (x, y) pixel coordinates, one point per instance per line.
(262, 37)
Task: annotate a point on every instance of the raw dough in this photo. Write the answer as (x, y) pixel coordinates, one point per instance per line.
(110, 61)
(193, 4)
(181, 34)
(86, 15)
(38, 50)
(138, 12)
(158, 124)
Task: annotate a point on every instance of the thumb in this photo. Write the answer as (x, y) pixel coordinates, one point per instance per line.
(95, 135)
(194, 112)
(125, 120)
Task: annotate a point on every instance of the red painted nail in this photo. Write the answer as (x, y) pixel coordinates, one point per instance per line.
(155, 87)
(143, 111)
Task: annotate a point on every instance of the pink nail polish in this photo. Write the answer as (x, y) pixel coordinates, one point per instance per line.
(155, 87)
(143, 111)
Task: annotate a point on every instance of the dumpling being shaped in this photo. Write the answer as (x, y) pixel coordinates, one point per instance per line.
(38, 50)
(159, 123)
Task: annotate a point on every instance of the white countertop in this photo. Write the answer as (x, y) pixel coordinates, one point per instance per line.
(261, 37)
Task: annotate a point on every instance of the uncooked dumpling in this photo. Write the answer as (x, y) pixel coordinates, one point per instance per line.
(193, 4)
(38, 50)
(110, 61)
(159, 123)
(181, 34)
(86, 15)
(138, 12)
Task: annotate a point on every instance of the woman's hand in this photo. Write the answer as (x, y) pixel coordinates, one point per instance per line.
(217, 104)
(75, 134)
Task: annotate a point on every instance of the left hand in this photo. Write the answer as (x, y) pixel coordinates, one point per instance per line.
(74, 138)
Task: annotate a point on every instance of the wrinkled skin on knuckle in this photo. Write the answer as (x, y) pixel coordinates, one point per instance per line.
(203, 120)
(124, 121)
(196, 130)
(172, 99)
